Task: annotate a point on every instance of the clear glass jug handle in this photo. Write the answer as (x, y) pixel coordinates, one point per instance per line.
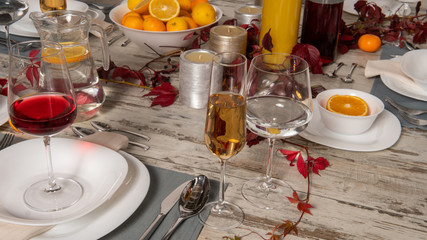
(99, 32)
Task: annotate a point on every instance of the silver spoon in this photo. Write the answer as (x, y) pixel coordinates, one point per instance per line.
(101, 126)
(348, 79)
(334, 73)
(192, 201)
(82, 132)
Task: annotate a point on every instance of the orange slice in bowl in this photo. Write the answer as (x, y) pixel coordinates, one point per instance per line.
(347, 105)
(139, 6)
(164, 10)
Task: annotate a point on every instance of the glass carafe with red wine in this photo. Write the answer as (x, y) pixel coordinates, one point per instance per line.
(41, 102)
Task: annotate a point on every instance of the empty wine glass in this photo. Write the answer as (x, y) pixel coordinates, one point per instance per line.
(41, 103)
(225, 130)
(10, 12)
(279, 105)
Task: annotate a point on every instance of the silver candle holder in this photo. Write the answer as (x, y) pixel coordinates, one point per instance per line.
(226, 38)
(245, 15)
(194, 77)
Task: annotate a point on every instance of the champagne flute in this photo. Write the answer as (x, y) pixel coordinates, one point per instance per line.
(279, 105)
(52, 5)
(225, 130)
(41, 103)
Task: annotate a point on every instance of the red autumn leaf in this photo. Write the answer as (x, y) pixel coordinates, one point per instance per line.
(195, 44)
(290, 155)
(32, 74)
(294, 198)
(302, 167)
(267, 41)
(164, 100)
(232, 22)
(252, 138)
(317, 164)
(304, 207)
(190, 35)
(33, 53)
(311, 54)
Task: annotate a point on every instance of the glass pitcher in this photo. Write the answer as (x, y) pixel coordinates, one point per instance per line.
(71, 30)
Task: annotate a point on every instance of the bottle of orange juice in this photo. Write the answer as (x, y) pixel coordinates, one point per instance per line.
(282, 17)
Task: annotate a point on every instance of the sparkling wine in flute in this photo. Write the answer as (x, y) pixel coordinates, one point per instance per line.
(274, 116)
(11, 11)
(225, 124)
(51, 5)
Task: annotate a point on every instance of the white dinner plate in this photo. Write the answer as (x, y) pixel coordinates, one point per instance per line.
(4, 115)
(112, 213)
(383, 134)
(388, 7)
(98, 169)
(404, 86)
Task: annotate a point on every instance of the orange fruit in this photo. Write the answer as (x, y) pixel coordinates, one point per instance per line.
(154, 24)
(185, 5)
(195, 2)
(347, 105)
(131, 13)
(183, 13)
(139, 6)
(369, 43)
(191, 23)
(204, 14)
(146, 16)
(135, 22)
(164, 10)
(73, 53)
(176, 24)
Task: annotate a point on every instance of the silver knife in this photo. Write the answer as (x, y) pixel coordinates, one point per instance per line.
(165, 207)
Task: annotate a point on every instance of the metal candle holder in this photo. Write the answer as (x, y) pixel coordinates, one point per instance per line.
(226, 38)
(245, 15)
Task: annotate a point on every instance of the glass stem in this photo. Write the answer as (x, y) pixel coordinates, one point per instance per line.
(51, 181)
(6, 31)
(269, 172)
(221, 186)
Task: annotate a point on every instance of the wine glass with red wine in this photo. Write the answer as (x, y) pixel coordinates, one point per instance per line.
(41, 103)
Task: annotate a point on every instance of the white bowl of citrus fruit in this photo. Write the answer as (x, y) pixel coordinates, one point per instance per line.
(164, 25)
(348, 111)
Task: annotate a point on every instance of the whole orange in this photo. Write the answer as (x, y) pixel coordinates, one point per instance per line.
(204, 14)
(129, 14)
(195, 2)
(154, 24)
(176, 24)
(369, 43)
(135, 22)
(191, 23)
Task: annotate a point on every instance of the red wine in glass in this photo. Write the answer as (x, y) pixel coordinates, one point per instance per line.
(44, 114)
(321, 26)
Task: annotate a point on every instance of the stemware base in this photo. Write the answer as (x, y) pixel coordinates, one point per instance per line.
(37, 198)
(265, 194)
(223, 217)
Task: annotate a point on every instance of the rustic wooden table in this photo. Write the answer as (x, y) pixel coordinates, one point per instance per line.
(362, 195)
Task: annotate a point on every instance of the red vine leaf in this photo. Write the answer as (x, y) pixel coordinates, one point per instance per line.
(267, 41)
(302, 167)
(165, 93)
(311, 54)
(252, 138)
(290, 155)
(301, 205)
(317, 164)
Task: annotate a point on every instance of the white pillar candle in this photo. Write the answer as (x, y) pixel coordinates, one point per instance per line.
(226, 38)
(245, 15)
(194, 77)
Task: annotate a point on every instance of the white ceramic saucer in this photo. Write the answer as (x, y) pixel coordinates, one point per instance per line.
(4, 115)
(112, 213)
(383, 134)
(98, 169)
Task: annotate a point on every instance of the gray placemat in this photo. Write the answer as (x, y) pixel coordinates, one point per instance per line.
(162, 182)
(381, 91)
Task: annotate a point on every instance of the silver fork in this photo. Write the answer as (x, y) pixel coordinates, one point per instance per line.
(348, 79)
(6, 141)
(413, 120)
(409, 111)
(334, 73)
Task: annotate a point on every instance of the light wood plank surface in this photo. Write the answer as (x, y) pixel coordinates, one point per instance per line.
(363, 195)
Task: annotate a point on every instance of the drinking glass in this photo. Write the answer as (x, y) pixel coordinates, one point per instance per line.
(52, 5)
(41, 103)
(279, 105)
(225, 130)
(10, 12)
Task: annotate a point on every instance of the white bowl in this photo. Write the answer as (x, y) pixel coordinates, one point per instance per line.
(344, 124)
(161, 42)
(414, 65)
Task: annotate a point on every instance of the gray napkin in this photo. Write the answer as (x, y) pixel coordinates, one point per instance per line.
(381, 91)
